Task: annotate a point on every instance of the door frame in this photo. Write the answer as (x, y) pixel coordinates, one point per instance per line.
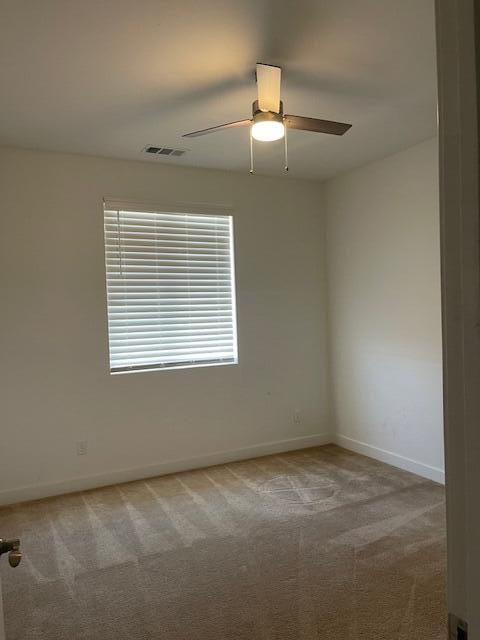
(458, 62)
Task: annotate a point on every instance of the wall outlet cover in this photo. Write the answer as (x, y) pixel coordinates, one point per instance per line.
(82, 448)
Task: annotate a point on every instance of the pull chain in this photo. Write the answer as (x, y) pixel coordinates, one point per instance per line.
(251, 152)
(286, 151)
(252, 171)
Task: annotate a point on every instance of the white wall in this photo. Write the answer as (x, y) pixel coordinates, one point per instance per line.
(55, 386)
(385, 312)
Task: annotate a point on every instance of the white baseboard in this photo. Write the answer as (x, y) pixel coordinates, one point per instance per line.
(426, 471)
(45, 490)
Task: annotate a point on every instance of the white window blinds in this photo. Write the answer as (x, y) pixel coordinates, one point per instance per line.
(170, 289)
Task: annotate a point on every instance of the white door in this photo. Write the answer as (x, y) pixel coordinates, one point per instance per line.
(458, 43)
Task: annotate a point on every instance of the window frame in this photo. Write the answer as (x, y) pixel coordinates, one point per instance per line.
(180, 208)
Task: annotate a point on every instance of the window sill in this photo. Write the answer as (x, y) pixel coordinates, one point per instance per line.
(174, 367)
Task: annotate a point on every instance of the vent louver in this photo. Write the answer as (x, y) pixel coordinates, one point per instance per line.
(164, 151)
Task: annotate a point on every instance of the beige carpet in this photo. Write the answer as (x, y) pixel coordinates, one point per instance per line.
(320, 543)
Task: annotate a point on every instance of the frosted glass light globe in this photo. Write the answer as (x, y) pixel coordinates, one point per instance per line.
(268, 130)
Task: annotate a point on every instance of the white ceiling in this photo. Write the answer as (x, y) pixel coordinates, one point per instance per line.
(108, 77)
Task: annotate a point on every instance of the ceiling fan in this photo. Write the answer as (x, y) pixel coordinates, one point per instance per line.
(268, 122)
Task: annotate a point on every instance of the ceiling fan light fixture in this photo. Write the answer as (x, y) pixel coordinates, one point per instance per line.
(268, 131)
(268, 122)
(268, 126)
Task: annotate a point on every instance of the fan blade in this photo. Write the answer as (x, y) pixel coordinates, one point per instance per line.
(314, 124)
(220, 127)
(268, 87)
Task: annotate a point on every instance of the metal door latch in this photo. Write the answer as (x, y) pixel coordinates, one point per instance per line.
(458, 628)
(12, 547)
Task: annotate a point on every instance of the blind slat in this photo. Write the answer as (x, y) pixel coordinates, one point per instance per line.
(130, 328)
(168, 319)
(165, 347)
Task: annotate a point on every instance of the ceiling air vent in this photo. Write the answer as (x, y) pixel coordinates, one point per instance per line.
(164, 151)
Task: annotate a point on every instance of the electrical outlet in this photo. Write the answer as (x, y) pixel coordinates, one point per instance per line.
(297, 417)
(82, 448)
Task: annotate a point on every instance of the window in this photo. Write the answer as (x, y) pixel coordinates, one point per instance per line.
(170, 289)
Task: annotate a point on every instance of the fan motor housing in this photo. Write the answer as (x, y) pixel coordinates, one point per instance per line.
(262, 116)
